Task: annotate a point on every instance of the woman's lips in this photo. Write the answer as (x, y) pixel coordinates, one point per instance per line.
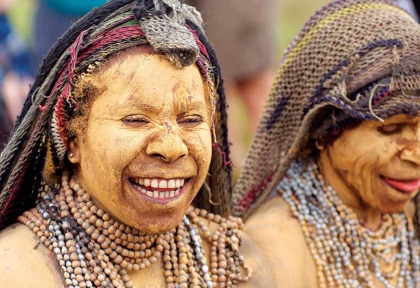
(403, 185)
(159, 190)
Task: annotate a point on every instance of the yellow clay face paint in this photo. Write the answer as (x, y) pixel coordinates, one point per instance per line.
(147, 148)
(374, 167)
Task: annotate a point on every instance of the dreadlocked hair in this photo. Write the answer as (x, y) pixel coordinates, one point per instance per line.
(32, 151)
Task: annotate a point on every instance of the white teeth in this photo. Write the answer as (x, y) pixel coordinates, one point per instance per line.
(156, 194)
(160, 183)
(146, 182)
(163, 184)
(171, 183)
(154, 183)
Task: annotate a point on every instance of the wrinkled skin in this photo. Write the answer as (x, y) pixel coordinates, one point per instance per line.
(355, 165)
(158, 127)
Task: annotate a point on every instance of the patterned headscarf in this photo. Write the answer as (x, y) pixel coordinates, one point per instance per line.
(354, 59)
(36, 150)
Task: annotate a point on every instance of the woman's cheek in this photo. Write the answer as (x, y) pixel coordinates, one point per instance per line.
(199, 146)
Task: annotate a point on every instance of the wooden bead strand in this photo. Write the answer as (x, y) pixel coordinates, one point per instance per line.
(95, 250)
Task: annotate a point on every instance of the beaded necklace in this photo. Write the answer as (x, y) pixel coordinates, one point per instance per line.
(94, 250)
(345, 252)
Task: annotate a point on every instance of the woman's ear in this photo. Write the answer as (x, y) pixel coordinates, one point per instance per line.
(73, 154)
(320, 144)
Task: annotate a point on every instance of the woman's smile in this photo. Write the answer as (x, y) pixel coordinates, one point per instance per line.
(160, 191)
(402, 185)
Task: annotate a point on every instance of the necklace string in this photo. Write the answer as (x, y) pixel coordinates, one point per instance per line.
(346, 253)
(95, 250)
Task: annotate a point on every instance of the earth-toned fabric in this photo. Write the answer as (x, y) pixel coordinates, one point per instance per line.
(360, 58)
(37, 148)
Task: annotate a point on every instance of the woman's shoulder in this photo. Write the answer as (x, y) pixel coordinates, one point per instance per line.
(24, 262)
(274, 215)
(253, 258)
(279, 235)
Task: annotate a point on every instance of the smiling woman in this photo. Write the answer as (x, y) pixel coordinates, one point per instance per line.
(334, 169)
(113, 147)
(149, 149)
(374, 166)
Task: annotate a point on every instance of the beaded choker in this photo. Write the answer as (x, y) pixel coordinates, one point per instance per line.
(94, 250)
(346, 253)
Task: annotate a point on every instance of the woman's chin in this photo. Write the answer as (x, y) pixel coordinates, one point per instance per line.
(395, 208)
(154, 215)
(394, 200)
(160, 225)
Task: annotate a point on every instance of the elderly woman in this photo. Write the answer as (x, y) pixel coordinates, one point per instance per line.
(113, 145)
(338, 153)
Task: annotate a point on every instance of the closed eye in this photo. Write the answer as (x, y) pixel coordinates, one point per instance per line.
(190, 121)
(390, 129)
(136, 120)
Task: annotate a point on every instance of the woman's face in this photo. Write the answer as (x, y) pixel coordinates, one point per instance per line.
(147, 146)
(376, 165)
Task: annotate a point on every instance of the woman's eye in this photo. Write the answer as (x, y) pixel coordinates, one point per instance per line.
(390, 129)
(136, 120)
(191, 121)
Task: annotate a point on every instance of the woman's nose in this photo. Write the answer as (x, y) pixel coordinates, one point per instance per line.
(411, 155)
(411, 151)
(167, 145)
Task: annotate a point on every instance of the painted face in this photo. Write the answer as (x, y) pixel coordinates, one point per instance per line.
(147, 147)
(376, 165)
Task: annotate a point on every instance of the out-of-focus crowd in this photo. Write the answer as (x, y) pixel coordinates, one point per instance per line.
(15, 72)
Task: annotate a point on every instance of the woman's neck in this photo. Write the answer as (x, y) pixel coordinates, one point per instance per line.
(369, 217)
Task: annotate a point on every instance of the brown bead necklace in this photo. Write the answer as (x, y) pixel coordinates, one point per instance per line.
(94, 250)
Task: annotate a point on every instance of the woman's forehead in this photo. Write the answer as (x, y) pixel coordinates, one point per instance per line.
(147, 80)
(402, 118)
(395, 119)
(147, 70)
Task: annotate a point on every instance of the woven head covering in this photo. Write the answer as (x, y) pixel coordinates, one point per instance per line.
(40, 138)
(354, 59)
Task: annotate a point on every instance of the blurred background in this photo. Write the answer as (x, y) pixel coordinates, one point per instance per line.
(249, 40)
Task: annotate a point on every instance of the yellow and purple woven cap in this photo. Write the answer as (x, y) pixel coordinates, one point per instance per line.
(358, 57)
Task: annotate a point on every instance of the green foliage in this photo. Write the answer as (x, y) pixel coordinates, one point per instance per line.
(21, 15)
